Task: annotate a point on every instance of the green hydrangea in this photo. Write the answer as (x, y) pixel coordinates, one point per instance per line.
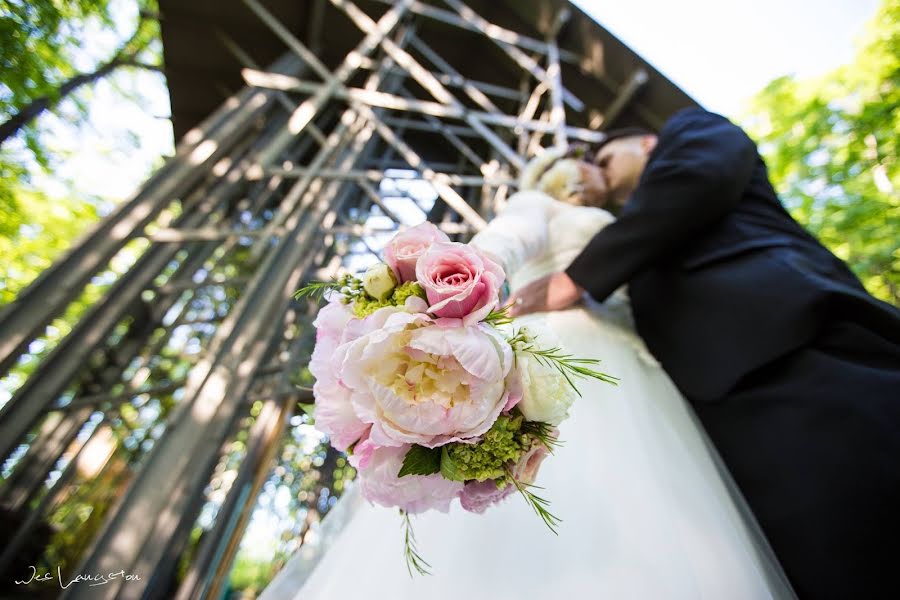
(502, 444)
(365, 305)
(406, 290)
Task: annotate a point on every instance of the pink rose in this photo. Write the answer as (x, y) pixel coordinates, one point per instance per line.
(461, 282)
(525, 471)
(477, 496)
(403, 251)
(379, 483)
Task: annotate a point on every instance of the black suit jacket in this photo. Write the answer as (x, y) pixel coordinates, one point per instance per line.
(722, 280)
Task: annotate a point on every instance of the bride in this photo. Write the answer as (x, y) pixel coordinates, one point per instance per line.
(647, 509)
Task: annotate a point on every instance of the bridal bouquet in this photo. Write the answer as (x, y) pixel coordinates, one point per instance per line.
(423, 379)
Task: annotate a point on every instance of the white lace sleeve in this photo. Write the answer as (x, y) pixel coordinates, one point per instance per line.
(519, 232)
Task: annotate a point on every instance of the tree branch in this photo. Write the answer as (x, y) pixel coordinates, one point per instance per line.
(126, 55)
(142, 65)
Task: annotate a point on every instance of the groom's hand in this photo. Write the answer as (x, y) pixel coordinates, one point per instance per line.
(553, 292)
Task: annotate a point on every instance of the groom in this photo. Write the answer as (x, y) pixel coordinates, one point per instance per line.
(792, 367)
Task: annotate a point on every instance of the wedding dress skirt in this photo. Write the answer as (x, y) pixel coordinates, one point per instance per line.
(647, 509)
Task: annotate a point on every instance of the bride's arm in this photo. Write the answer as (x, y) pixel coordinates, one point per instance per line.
(519, 232)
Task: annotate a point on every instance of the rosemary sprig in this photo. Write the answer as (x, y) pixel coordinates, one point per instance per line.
(538, 504)
(543, 432)
(414, 560)
(566, 364)
(348, 286)
(315, 290)
(499, 317)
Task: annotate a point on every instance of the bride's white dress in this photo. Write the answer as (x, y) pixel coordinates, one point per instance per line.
(647, 510)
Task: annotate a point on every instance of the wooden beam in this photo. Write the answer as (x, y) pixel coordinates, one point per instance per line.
(49, 295)
(398, 103)
(374, 175)
(503, 38)
(506, 35)
(554, 76)
(305, 112)
(635, 82)
(59, 367)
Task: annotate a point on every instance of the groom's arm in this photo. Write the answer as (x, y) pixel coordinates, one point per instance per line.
(696, 175)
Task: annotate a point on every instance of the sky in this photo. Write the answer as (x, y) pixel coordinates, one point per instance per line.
(720, 52)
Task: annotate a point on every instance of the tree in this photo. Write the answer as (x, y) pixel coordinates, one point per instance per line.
(831, 147)
(37, 39)
(38, 231)
(48, 56)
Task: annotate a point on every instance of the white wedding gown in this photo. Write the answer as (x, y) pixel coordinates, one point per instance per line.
(647, 511)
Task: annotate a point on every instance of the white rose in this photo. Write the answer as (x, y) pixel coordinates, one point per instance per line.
(379, 281)
(546, 394)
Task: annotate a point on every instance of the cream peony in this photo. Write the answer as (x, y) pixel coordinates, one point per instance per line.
(419, 383)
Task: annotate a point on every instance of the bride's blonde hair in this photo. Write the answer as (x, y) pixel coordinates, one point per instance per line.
(554, 174)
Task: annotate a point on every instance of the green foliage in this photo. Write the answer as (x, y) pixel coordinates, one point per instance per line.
(420, 460)
(489, 458)
(365, 305)
(540, 506)
(249, 574)
(554, 358)
(499, 317)
(543, 433)
(36, 42)
(40, 42)
(831, 147)
(316, 290)
(414, 560)
(44, 59)
(34, 233)
(42, 46)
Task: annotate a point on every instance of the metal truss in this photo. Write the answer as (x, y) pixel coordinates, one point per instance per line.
(287, 180)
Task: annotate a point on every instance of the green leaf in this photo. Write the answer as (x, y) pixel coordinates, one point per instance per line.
(448, 467)
(308, 409)
(421, 461)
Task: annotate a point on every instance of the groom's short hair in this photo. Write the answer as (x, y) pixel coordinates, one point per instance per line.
(617, 134)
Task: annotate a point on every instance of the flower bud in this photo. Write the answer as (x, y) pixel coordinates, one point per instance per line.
(379, 281)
